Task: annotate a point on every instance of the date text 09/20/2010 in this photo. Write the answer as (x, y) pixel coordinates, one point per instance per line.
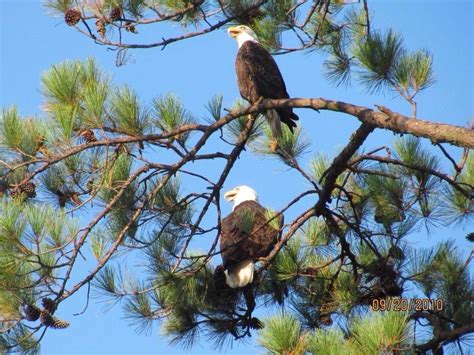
(408, 304)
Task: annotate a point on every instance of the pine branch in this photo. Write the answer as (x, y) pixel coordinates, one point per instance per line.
(440, 336)
(386, 119)
(444, 177)
(340, 163)
(166, 41)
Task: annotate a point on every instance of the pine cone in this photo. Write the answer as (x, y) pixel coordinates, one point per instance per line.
(32, 313)
(48, 304)
(29, 189)
(89, 136)
(90, 185)
(59, 324)
(46, 318)
(100, 27)
(40, 143)
(116, 14)
(50, 321)
(250, 17)
(72, 17)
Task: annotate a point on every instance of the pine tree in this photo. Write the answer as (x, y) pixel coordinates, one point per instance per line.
(129, 167)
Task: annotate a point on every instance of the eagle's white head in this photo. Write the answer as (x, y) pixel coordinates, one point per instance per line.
(240, 194)
(242, 34)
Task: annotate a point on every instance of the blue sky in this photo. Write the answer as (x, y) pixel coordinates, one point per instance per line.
(197, 69)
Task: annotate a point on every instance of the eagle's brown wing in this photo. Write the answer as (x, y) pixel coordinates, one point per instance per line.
(258, 77)
(247, 234)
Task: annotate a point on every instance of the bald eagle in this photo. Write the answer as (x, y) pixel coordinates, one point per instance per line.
(258, 77)
(248, 233)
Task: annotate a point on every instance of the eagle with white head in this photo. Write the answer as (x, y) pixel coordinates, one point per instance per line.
(248, 233)
(258, 77)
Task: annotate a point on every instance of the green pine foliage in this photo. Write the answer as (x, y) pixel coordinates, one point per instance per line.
(440, 273)
(247, 219)
(272, 219)
(171, 205)
(414, 71)
(370, 334)
(19, 339)
(338, 66)
(58, 7)
(75, 95)
(330, 342)
(22, 137)
(101, 199)
(33, 238)
(288, 262)
(135, 7)
(319, 166)
(289, 147)
(460, 206)
(378, 60)
(379, 333)
(237, 126)
(214, 107)
(100, 242)
(193, 308)
(426, 186)
(128, 116)
(106, 281)
(283, 335)
(171, 115)
(378, 55)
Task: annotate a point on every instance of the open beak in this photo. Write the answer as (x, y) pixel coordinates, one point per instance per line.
(230, 195)
(233, 31)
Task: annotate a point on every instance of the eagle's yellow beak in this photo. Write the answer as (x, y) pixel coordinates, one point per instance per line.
(233, 32)
(230, 195)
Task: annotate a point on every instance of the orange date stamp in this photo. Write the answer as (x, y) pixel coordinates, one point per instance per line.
(407, 304)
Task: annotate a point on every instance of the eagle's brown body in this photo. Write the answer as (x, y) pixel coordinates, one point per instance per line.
(258, 77)
(247, 234)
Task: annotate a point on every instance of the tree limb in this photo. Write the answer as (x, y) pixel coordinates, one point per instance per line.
(440, 336)
(395, 122)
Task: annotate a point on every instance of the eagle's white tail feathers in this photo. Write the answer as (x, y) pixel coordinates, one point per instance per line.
(241, 274)
(273, 119)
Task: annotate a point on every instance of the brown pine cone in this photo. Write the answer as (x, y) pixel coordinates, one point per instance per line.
(48, 304)
(89, 136)
(100, 27)
(49, 320)
(29, 189)
(72, 17)
(32, 313)
(116, 14)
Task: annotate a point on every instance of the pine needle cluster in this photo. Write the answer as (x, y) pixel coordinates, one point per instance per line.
(102, 173)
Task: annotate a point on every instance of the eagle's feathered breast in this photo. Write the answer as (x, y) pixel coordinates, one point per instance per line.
(249, 232)
(258, 77)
